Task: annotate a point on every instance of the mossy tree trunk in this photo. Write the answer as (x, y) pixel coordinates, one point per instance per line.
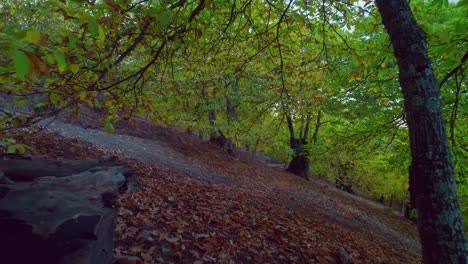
(432, 180)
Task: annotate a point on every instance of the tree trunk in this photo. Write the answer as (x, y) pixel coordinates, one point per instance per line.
(317, 127)
(216, 136)
(404, 207)
(221, 140)
(67, 219)
(27, 167)
(432, 179)
(299, 164)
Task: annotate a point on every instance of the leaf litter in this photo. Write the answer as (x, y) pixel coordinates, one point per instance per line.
(272, 217)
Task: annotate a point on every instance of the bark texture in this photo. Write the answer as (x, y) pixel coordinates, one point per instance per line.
(68, 219)
(432, 180)
(28, 167)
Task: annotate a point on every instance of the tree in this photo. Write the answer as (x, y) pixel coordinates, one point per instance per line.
(432, 179)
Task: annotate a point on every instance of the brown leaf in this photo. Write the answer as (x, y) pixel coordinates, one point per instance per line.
(40, 66)
(112, 4)
(103, 20)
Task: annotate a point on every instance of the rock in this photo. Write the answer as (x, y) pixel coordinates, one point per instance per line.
(342, 257)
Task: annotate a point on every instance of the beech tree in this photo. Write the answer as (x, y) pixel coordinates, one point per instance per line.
(432, 179)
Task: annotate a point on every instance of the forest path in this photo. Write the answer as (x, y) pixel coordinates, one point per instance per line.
(147, 151)
(316, 198)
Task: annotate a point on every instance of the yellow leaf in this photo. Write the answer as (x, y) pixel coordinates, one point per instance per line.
(83, 95)
(102, 35)
(33, 36)
(21, 148)
(75, 68)
(50, 58)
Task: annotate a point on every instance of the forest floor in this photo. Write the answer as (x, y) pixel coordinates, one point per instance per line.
(202, 205)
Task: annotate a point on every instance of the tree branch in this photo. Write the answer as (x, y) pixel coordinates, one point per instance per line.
(455, 70)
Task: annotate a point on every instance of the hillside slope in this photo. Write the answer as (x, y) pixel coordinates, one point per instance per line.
(200, 205)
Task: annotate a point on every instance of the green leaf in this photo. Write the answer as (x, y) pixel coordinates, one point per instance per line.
(152, 12)
(54, 98)
(165, 18)
(11, 149)
(109, 128)
(21, 64)
(102, 35)
(21, 101)
(460, 28)
(437, 3)
(7, 142)
(33, 36)
(462, 3)
(72, 40)
(61, 61)
(93, 26)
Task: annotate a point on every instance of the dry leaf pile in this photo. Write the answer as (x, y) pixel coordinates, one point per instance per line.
(175, 219)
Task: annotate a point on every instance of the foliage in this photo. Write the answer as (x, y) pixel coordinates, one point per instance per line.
(13, 147)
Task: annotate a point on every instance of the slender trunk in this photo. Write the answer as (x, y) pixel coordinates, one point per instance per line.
(317, 127)
(231, 114)
(232, 101)
(290, 127)
(211, 112)
(403, 207)
(432, 180)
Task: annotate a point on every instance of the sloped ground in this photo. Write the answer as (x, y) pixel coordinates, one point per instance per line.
(200, 205)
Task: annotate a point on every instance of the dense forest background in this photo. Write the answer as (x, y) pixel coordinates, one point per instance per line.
(312, 84)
